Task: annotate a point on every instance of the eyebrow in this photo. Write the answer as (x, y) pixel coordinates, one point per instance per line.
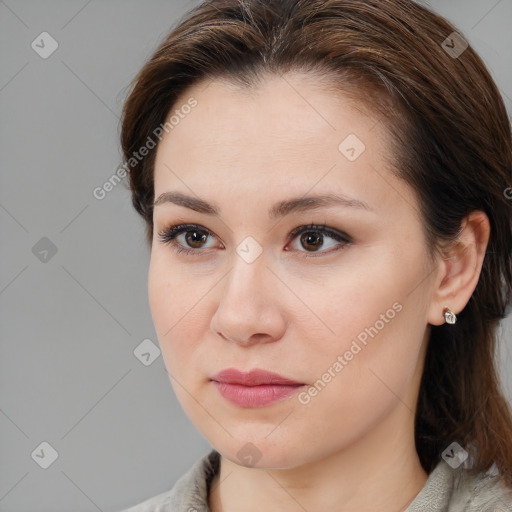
(280, 209)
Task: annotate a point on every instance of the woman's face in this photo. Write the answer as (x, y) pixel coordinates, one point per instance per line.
(341, 308)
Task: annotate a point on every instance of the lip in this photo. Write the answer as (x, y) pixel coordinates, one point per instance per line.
(256, 388)
(255, 377)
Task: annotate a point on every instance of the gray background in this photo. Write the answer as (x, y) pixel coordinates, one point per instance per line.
(70, 321)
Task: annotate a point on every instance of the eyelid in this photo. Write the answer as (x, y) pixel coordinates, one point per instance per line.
(322, 228)
(168, 236)
(340, 237)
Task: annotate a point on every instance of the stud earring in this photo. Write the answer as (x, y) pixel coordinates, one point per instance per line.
(449, 316)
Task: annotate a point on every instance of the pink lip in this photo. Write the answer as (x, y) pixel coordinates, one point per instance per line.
(256, 388)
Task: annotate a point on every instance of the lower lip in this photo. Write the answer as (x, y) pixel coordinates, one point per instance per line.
(254, 396)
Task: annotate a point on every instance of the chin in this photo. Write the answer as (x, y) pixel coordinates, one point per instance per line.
(253, 451)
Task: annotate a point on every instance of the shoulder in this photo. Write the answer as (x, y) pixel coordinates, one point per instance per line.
(189, 493)
(462, 490)
(480, 492)
(158, 503)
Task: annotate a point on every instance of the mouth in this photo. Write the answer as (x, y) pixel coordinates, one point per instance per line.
(256, 388)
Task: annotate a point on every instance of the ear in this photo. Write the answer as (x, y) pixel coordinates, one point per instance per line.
(459, 267)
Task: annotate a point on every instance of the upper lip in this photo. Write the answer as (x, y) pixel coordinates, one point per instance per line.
(255, 377)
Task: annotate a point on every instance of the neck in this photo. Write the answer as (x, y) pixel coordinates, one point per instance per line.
(381, 471)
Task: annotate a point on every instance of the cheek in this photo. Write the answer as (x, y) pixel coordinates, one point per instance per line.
(357, 375)
(367, 314)
(174, 300)
(340, 304)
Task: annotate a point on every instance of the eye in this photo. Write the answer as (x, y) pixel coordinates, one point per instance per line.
(193, 236)
(190, 238)
(313, 237)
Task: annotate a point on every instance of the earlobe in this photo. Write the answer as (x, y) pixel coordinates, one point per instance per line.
(460, 266)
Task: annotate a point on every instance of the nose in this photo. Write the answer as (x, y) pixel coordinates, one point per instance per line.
(248, 311)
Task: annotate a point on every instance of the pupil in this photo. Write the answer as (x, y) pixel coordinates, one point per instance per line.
(314, 240)
(201, 237)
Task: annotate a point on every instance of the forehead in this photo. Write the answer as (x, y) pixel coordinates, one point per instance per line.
(283, 137)
(280, 119)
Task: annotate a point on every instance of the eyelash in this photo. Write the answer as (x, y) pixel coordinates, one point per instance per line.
(168, 235)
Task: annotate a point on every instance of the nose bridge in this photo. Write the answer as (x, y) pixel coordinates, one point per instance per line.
(246, 312)
(248, 275)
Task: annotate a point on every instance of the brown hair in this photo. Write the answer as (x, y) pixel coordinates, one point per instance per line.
(452, 145)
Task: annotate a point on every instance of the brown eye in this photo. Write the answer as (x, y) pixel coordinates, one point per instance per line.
(311, 239)
(186, 238)
(195, 238)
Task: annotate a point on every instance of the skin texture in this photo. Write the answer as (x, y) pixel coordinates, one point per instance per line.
(351, 447)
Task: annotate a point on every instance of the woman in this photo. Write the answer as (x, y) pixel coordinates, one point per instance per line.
(325, 185)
